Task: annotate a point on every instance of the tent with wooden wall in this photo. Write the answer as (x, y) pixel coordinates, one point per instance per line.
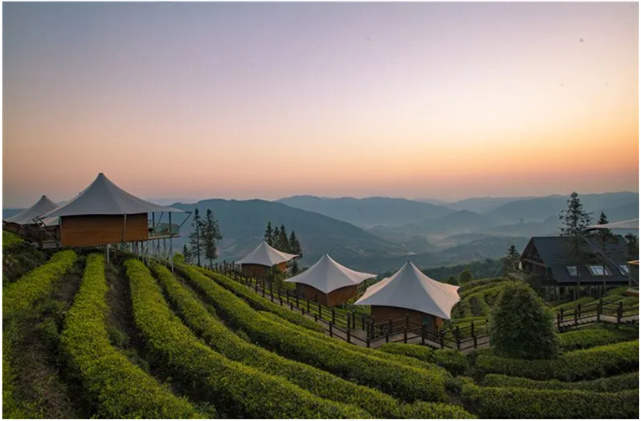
(328, 282)
(409, 292)
(24, 222)
(104, 214)
(262, 258)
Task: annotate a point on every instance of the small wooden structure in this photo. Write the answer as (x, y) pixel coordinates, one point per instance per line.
(411, 293)
(328, 282)
(259, 262)
(104, 214)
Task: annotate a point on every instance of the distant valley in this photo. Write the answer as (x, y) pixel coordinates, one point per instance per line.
(379, 234)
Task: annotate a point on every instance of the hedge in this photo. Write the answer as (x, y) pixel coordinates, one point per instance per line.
(584, 364)
(466, 291)
(588, 338)
(10, 239)
(240, 390)
(222, 340)
(478, 282)
(478, 304)
(258, 302)
(368, 352)
(513, 402)
(431, 410)
(572, 304)
(452, 360)
(406, 383)
(35, 285)
(628, 381)
(121, 388)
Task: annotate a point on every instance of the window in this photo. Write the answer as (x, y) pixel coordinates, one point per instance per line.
(572, 270)
(625, 270)
(599, 270)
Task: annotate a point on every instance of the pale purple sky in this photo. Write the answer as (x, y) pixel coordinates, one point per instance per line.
(243, 100)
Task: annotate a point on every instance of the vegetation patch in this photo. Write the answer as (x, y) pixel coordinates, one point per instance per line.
(259, 303)
(120, 388)
(451, 360)
(577, 365)
(628, 381)
(221, 339)
(514, 402)
(589, 338)
(235, 389)
(406, 383)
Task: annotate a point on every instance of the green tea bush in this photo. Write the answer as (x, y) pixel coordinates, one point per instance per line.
(222, 340)
(406, 383)
(239, 390)
(584, 364)
(260, 303)
(35, 285)
(431, 410)
(514, 402)
(628, 381)
(450, 359)
(589, 338)
(10, 239)
(572, 304)
(120, 388)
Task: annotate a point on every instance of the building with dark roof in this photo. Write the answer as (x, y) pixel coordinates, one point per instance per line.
(555, 262)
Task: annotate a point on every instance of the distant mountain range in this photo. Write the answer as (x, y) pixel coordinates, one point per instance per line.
(368, 212)
(379, 234)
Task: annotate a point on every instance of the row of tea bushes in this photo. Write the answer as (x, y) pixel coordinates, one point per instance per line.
(406, 383)
(224, 341)
(618, 383)
(239, 390)
(120, 388)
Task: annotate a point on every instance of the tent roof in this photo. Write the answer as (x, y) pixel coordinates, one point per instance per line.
(103, 197)
(265, 255)
(327, 275)
(411, 289)
(632, 224)
(41, 207)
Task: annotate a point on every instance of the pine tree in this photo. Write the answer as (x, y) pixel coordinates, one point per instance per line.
(186, 254)
(604, 236)
(294, 245)
(211, 234)
(283, 242)
(633, 246)
(275, 238)
(575, 220)
(511, 260)
(196, 236)
(269, 234)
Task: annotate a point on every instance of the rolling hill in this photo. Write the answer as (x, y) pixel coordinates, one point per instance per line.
(370, 211)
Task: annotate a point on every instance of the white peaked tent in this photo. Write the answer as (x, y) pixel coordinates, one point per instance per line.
(409, 288)
(27, 216)
(327, 275)
(265, 255)
(103, 197)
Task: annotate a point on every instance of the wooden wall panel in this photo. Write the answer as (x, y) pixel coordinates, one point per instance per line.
(95, 230)
(382, 314)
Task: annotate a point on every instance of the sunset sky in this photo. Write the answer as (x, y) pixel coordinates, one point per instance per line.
(266, 100)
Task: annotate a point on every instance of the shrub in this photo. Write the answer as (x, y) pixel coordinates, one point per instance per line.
(588, 338)
(465, 277)
(222, 340)
(241, 390)
(618, 383)
(342, 359)
(10, 239)
(479, 306)
(521, 325)
(259, 303)
(584, 364)
(121, 389)
(35, 285)
(451, 360)
(572, 304)
(512, 402)
(431, 410)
